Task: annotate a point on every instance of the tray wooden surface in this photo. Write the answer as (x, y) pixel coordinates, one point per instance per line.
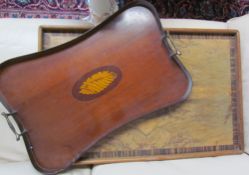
(51, 36)
(209, 123)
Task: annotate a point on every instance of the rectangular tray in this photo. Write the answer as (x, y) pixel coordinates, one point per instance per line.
(209, 123)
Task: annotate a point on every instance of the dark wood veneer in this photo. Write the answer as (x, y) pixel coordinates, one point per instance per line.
(59, 127)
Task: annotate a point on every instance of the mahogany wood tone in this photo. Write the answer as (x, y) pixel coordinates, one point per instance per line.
(125, 68)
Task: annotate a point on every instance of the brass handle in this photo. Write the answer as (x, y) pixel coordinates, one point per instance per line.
(13, 129)
(168, 41)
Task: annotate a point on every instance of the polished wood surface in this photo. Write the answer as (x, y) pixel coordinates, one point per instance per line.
(41, 87)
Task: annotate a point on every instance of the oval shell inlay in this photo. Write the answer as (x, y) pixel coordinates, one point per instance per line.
(96, 82)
